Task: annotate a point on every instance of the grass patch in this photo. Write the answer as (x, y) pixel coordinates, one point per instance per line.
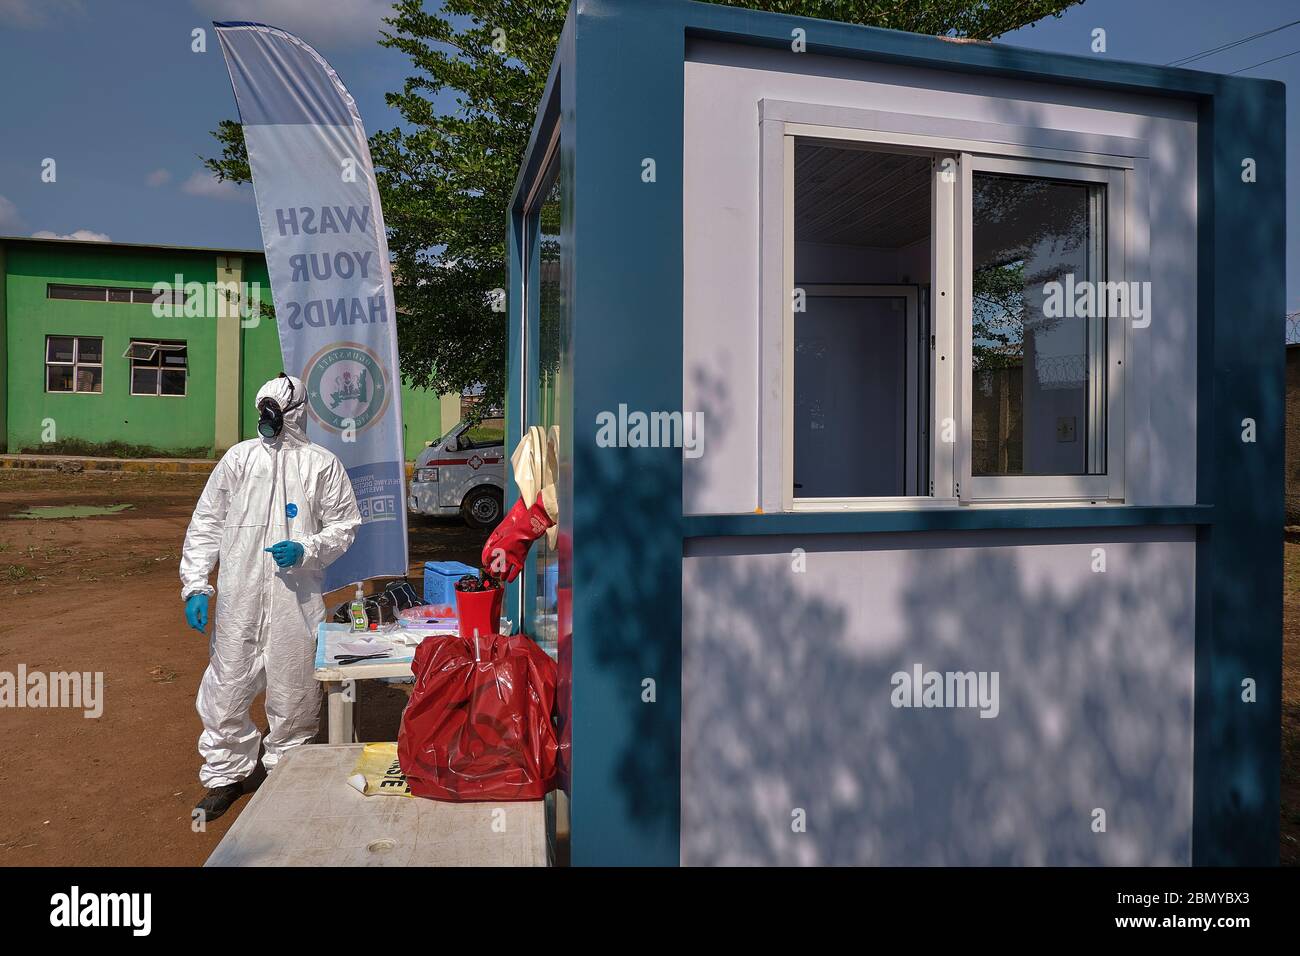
(80, 448)
(16, 572)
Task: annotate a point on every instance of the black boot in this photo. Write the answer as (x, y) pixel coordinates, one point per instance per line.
(219, 799)
(254, 779)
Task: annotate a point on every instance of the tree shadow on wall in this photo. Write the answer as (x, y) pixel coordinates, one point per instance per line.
(788, 704)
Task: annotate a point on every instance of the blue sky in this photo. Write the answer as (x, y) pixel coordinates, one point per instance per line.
(111, 90)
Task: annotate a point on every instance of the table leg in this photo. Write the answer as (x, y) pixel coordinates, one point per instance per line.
(340, 713)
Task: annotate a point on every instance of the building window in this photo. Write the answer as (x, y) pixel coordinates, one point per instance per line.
(1041, 331)
(1033, 371)
(954, 323)
(545, 226)
(105, 293)
(859, 360)
(158, 368)
(74, 364)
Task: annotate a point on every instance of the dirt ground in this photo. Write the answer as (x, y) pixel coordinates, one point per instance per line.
(101, 594)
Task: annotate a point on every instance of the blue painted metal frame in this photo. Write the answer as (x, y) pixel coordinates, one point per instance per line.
(522, 267)
(622, 68)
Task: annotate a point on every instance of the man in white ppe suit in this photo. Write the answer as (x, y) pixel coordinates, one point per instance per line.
(276, 512)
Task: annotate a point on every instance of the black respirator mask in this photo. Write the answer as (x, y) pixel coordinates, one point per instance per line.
(270, 420)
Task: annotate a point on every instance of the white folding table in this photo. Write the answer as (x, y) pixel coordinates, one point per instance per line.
(337, 678)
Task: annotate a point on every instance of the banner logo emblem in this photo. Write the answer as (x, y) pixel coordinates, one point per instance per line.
(346, 381)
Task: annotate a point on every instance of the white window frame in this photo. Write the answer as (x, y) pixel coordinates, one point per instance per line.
(1106, 365)
(941, 460)
(156, 347)
(76, 364)
(1119, 162)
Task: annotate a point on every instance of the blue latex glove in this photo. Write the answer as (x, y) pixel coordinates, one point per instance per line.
(196, 612)
(286, 553)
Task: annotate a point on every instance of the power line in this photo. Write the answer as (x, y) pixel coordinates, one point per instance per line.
(1228, 46)
(1274, 60)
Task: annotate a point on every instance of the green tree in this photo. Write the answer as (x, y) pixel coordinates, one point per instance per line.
(445, 180)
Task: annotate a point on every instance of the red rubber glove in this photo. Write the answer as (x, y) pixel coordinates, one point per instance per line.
(507, 546)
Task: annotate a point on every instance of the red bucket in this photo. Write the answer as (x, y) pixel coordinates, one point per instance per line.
(479, 611)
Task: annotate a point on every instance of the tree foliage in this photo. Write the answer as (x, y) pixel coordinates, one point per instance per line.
(446, 175)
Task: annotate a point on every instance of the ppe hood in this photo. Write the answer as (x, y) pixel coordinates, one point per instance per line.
(287, 390)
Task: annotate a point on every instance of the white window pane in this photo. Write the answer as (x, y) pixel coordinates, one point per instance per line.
(90, 379)
(90, 350)
(147, 297)
(173, 382)
(88, 293)
(58, 378)
(862, 240)
(60, 348)
(550, 316)
(1030, 363)
(144, 380)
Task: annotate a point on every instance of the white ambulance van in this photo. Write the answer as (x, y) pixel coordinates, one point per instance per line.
(463, 472)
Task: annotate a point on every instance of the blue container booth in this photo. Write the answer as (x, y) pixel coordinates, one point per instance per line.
(919, 409)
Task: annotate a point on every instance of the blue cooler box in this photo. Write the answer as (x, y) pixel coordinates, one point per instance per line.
(440, 579)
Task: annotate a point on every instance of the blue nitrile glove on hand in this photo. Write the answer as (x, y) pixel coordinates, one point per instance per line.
(286, 553)
(196, 612)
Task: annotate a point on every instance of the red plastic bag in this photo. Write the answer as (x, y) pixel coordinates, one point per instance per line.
(478, 725)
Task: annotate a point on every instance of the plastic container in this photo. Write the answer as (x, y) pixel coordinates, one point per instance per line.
(479, 612)
(439, 613)
(440, 578)
(357, 611)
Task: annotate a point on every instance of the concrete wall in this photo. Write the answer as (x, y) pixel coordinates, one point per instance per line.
(113, 415)
(723, 86)
(170, 423)
(786, 699)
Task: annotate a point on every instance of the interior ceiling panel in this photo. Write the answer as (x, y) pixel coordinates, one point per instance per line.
(860, 197)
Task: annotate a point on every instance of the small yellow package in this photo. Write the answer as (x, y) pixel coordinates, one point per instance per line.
(378, 773)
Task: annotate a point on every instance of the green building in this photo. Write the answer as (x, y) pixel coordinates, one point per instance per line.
(86, 355)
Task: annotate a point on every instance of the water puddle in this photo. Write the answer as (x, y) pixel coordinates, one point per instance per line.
(70, 511)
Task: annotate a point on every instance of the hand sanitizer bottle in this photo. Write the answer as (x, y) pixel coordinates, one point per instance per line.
(357, 611)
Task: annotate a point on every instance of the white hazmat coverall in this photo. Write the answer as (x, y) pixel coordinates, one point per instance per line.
(264, 625)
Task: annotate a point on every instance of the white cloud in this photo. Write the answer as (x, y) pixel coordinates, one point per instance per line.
(352, 24)
(35, 14)
(81, 235)
(11, 221)
(159, 177)
(203, 183)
